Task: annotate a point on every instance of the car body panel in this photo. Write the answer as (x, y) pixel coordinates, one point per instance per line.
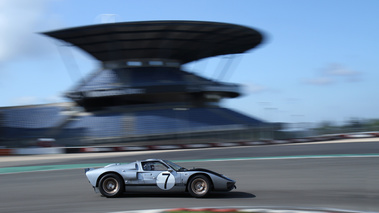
(156, 175)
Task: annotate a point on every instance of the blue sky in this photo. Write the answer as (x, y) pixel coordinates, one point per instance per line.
(319, 61)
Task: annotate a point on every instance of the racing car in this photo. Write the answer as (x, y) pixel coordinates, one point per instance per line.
(156, 175)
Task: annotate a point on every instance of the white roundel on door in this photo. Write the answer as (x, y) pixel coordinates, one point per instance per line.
(165, 180)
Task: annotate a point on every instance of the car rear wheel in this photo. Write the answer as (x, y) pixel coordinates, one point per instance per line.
(199, 186)
(111, 185)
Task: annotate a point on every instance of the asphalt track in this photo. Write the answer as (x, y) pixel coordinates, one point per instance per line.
(335, 175)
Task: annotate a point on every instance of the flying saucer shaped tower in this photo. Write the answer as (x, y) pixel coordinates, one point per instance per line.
(141, 93)
(142, 61)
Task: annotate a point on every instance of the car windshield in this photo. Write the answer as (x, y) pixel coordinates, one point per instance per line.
(176, 167)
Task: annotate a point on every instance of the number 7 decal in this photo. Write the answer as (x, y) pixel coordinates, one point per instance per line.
(165, 183)
(165, 180)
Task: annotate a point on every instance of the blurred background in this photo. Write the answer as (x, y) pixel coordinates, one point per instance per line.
(314, 74)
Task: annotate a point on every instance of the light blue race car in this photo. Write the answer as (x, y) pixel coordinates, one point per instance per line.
(156, 175)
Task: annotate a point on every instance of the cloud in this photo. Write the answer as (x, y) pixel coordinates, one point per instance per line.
(255, 88)
(20, 20)
(341, 72)
(319, 81)
(32, 100)
(334, 73)
(106, 18)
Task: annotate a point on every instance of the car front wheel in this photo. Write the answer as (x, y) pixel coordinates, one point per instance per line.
(111, 185)
(199, 186)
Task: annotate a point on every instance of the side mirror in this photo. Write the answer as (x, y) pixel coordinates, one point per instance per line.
(170, 170)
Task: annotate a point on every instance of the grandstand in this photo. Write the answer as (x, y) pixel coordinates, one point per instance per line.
(141, 94)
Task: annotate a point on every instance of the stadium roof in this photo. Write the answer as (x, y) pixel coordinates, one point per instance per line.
(183, 41)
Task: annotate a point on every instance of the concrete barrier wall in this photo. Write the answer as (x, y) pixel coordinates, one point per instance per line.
(372, 136)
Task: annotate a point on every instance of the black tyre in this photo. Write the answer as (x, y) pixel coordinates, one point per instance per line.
(199, 186)
(111, 185)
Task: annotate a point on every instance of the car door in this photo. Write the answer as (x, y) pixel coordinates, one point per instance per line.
(158, 176)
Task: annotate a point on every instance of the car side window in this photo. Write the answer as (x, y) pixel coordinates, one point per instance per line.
(154, 166)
